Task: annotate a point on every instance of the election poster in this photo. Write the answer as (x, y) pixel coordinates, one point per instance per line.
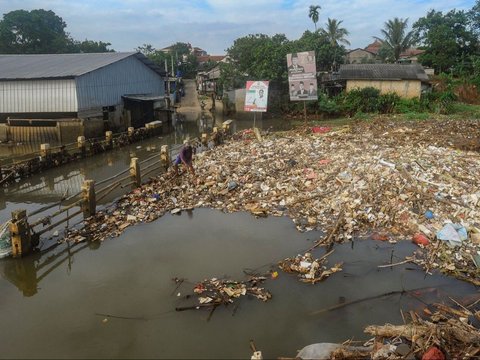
(256, 96)
(302, 76)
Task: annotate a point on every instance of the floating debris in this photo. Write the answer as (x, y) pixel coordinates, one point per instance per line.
(215, 292)
(309, 270)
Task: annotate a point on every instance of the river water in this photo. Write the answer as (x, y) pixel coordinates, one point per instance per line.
(117, 298)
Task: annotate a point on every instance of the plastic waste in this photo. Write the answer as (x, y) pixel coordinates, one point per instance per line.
(454, 234)
(433, 354)
(325, 350)
(232, 185)
(429, 215)
(420, 239)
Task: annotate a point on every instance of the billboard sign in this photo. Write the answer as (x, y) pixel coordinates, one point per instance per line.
(302, 76)
(256, 96)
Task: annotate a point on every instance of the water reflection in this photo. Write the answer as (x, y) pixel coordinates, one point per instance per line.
(27, 273)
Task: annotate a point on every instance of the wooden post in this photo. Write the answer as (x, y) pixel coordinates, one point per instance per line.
(109, 139)
(20, 233)
(45, 150)
(305, 111)
(135, 172)
(165, 157)
(82, 145)
(89, 205)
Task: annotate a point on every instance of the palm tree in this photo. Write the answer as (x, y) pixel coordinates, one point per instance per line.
(334, 33)
(396, 38)
(313, 14)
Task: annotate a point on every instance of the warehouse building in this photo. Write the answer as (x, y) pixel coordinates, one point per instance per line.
(80, 94)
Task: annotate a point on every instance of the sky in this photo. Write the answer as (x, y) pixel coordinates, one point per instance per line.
(213, 25)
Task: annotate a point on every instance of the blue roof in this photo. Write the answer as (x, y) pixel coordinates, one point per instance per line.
(51, 66)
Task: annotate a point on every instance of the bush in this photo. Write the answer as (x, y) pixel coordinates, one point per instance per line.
(405, 106)
(387, 103)
(328, 105)
(361, 100)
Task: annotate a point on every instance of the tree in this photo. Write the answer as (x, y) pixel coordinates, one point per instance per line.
(335, 34)
(33, 32)
(396, 38)
(41, 32)
(325, 53)
(314, 14)
(256, 57)
(449, 40)
(90, 46)
(146, 49)
(474, 16)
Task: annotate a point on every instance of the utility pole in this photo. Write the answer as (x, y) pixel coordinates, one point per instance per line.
(168, 77)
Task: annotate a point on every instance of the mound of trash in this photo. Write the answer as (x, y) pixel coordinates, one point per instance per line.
(402, 180)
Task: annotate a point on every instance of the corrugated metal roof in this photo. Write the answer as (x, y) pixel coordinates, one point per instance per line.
(382, 72)
(50, 66)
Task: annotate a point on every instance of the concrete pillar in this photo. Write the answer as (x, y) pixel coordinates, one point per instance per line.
(20, 233)
(82, 146)
(109, 139)
(135, 172)
(45, 150)
(227, 126)
(165, 157)
(130, 131)
(89, 205)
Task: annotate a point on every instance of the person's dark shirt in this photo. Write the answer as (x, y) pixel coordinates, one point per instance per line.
(186, 154)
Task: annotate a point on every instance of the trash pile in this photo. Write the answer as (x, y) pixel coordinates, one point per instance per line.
(444, 332)
(309, 270)
(398, 178)
(215, 292)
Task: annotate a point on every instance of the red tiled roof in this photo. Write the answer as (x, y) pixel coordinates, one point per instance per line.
(411, 52)
(374, 47)
(206, 58)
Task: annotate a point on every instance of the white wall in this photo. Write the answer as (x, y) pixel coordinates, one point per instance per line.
(23, 96)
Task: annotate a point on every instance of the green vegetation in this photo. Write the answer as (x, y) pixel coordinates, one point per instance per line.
(396, 39)
(179, 55)
(313, 14)
(450, 40)
(41, 32)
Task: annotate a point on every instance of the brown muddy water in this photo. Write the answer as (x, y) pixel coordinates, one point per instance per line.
(116, 299)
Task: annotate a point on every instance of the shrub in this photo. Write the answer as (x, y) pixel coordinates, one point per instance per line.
(387, 102)
(328, 105)
(360, 100)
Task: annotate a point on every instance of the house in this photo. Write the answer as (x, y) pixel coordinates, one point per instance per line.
(206, 58)
(408, 81)
(374, 47)
(410, 56)
(97, 91)
(360, 56)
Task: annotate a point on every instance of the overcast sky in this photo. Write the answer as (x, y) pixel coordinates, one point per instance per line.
(213, 25)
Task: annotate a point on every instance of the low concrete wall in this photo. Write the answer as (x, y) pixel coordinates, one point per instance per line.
(33, 134)
(3, 133)
(403, 88)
